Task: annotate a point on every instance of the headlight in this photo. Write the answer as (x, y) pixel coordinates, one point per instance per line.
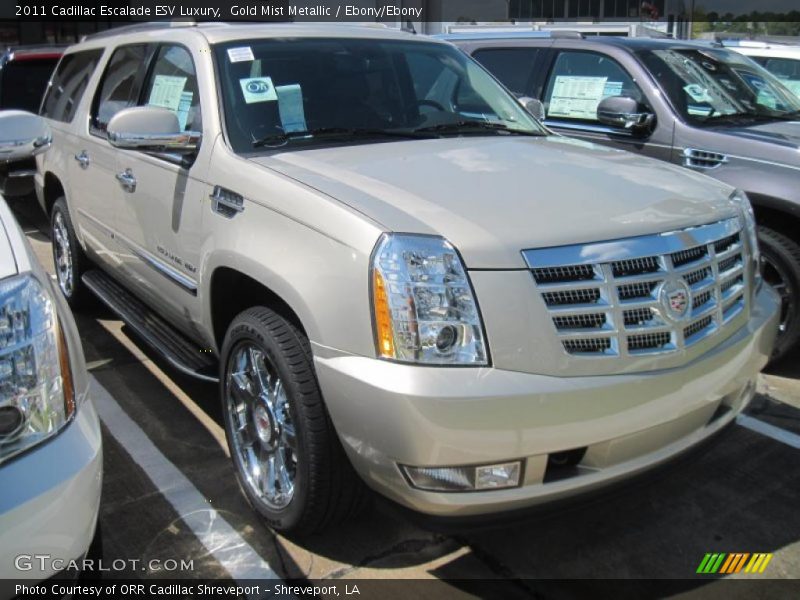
(423, 307)
(748, 218)
(36, 392)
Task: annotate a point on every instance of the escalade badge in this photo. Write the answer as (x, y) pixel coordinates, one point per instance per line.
(675, 298)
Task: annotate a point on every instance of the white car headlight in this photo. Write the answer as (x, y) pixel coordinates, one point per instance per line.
(424, 310)
(36, 392)
(748, 219)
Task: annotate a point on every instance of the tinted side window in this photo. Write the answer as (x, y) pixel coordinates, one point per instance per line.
(173, 85)
(121, 83)
(787, 70)
(512, 66)
(23, 82)
(580, 80)
(69, 82)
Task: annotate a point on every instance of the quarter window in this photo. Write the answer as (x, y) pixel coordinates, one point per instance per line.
(580, 80)
(69, 82)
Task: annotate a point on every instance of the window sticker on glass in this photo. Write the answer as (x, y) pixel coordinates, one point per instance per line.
(290, 107)
(612, 88)
(183, 108)
(167, 91)
(243, 54)
(697, 92)
(258, 89)
(699, 111)
(576, 97)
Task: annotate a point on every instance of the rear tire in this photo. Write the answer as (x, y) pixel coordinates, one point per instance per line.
(780, 267)
(288, 458)
(68, 257)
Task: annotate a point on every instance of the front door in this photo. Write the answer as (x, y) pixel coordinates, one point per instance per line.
(159, 220)
(576, 83)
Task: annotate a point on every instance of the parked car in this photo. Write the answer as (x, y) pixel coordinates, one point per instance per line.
(24, 73)
(402, 278)
(703, 107)
(50, 445)
(782, 60)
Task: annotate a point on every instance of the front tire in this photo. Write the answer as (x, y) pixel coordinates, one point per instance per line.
(780, 267)
(68, 257)
(288, 459)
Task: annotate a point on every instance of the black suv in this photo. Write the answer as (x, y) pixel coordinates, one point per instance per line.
(24, 73)
(695, 104)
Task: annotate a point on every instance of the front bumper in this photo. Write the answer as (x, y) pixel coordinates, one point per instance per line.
(50, 500)
(388, 414)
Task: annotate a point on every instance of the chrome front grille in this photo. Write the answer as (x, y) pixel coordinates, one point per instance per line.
(644, 295)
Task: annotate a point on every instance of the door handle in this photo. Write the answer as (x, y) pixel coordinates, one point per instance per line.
(83, 159)
(127, 180)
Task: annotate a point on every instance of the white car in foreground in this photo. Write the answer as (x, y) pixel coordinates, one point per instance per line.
(782, 60)
(50, 443)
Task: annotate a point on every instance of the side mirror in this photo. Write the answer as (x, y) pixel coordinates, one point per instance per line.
(22, 135)
(533, 106)
(621, 111)
(150, 129)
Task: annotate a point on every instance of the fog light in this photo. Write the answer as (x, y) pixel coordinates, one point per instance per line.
(497, 476)
(465, 479)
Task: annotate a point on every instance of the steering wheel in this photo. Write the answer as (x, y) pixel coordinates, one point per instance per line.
(431, 103)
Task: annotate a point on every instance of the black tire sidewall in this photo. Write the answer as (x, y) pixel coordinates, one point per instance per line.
(778, 249)
(247, 329)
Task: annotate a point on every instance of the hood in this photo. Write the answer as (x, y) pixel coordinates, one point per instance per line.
(492, 197)
(777, 141)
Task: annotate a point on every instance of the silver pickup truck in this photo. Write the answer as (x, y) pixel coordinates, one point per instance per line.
(396, 274)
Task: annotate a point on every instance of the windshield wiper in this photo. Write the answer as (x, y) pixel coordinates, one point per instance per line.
(475, 127)
(279, 139)
(787, 116)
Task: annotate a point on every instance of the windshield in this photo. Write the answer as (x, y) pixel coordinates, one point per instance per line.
(711, 85)
(303, 92)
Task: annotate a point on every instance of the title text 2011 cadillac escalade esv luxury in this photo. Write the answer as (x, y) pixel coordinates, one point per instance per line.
(400, 273)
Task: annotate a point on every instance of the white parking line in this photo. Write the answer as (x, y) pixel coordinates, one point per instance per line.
(214, 532)
(776, 433)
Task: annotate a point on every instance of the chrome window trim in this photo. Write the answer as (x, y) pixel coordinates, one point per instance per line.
(589, 128)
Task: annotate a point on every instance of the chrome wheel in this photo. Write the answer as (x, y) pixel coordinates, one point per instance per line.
(262, 431)
(63, 255)
(775, 275)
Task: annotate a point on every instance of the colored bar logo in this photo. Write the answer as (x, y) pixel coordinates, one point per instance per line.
(735, 562)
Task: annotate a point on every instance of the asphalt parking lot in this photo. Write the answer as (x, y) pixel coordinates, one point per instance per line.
(170, 493)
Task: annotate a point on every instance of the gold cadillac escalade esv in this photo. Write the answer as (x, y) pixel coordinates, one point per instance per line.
(406, 281)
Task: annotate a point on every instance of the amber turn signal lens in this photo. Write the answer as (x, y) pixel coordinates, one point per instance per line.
(383, 318)
(66, 374)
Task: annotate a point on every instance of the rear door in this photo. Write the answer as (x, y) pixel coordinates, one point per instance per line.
(96, 194)
(579, 78)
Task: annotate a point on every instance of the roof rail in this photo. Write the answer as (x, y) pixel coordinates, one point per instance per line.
(136, 28)
(509, 34)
